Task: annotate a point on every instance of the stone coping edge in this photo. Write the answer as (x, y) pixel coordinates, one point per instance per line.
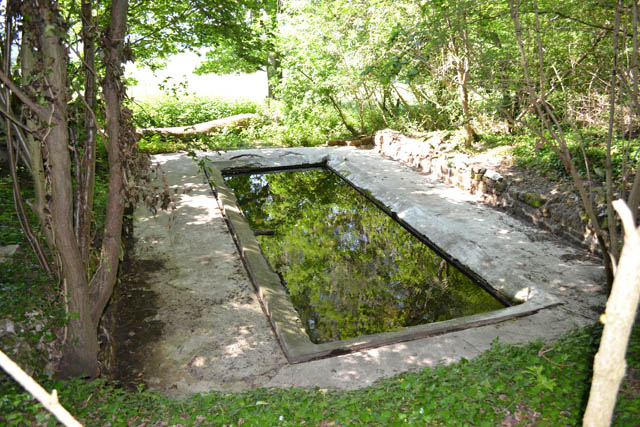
(282, 315)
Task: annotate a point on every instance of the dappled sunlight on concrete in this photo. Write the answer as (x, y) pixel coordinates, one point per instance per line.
(214, 334)
(242, 343)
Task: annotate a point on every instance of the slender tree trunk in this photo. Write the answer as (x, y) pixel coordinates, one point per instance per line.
(460, 48)
(418, 96)
(634, 195)
(405, 103)
(33, 145)
(13, 154)
(274, 75)
(81, 346)
(558, 143)
(463, 91)
(614, 242)
(84, 301)
(120, 141)
(335, 104)
(360, 103)
(633, 199)
(85, 191)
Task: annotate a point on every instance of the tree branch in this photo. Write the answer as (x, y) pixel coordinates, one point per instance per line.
(17, 195)
(44, 113)
(49, 401)
(609, 365)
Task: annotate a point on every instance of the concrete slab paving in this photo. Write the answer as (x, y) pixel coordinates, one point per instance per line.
(215, 335)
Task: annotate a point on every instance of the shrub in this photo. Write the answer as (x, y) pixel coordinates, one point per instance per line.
(166, 111)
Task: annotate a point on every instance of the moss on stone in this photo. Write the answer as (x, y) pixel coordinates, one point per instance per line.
(534, 199)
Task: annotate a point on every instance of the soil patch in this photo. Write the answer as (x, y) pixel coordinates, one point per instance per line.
(135, 327)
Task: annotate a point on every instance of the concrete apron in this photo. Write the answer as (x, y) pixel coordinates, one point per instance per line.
(215, 335)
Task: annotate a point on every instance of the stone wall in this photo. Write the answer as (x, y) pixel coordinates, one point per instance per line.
(555, 212)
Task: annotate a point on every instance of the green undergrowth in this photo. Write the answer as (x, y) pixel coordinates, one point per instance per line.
(527, 152)
(275, 126)
(32, 315)
(30, 308)
(166, 111)
(279, 125)
(537, 383)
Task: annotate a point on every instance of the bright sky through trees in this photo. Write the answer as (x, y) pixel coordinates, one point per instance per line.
(180, 69)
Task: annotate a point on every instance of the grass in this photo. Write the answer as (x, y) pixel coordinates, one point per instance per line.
(534, 383)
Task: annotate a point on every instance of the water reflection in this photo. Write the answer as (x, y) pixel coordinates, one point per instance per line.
(349, 268)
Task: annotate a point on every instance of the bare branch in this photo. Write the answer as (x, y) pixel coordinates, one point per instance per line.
(49, 401)
(609, 365)
(11, 118)
(558, 142)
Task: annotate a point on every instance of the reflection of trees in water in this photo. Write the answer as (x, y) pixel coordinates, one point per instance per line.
(350, 269)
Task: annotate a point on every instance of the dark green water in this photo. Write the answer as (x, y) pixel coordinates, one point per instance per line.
(349, 268)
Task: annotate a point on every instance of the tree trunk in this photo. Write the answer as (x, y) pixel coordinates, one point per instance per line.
(274, 75)
(609, 364)
(86, 185)
(463, 91)
(346, 124)
(120, 144)
(633, 199)
(81, 346)
(558, 143)
(15, 138)
(33, 145)
(405, 103)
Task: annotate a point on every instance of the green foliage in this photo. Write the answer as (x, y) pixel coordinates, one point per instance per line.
(168, 112)
(401, 64)
(228, 56)
(543, 384)
(326, 46)
(168, 27)
(306, 124)
(165, 111)
(276, 125)
(528, 152)
(28, 299)
(223, 140)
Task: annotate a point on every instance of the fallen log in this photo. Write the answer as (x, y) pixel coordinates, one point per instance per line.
(236, 121)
